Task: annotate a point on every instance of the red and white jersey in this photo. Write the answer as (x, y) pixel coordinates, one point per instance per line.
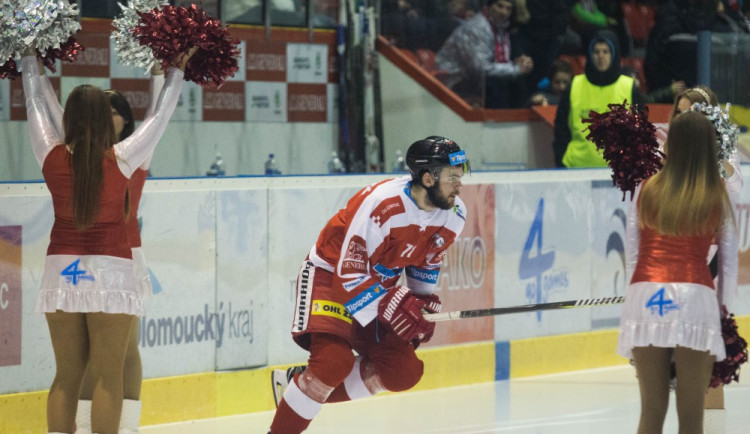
(380, 234)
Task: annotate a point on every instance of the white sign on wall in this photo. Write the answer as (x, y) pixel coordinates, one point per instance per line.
(184, 324)
(265, 101)
(608, 251)
(543, 254)
(242, 269)
(306, 63)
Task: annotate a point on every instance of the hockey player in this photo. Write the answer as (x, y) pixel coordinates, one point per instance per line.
(347, 298)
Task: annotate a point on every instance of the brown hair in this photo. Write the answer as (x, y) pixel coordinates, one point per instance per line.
(687, 197)
(697, 94)
(89, 132)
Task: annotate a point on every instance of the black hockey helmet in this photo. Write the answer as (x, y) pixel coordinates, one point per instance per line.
(434, 152)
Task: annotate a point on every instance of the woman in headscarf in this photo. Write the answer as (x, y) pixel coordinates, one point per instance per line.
(600, 85)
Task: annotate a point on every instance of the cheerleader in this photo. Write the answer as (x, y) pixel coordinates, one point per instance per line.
(672, 309)
(714, 418)
(124, 124)
(89, 292)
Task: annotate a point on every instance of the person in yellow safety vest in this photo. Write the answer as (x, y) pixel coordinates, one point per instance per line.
(600, 84)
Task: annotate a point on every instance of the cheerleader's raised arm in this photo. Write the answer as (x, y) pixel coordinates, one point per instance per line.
(156, 84)
(136, 149)
(53, 104)
(42, 133)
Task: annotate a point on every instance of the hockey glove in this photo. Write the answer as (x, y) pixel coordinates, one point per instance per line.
(432, 305)
(401, 312)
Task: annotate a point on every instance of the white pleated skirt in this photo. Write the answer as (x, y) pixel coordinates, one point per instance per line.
(671, 314)
(93, 283)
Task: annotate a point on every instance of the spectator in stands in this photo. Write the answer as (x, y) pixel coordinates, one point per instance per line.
(451, 14)
(405, 23)
(730, 13)
(590, 16)
(601, 84)
(545, 35)
(671, 47)
(551, 88)
(484, 51)
(663, 95)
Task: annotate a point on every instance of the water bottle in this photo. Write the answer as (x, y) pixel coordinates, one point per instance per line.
(399, 164)
(271, 167)
(217, 167)
(335, 165)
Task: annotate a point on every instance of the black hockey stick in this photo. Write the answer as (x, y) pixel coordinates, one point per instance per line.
(476, 313)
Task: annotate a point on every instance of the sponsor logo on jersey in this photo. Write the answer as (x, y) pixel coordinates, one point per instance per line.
(355, 260)
(386, 273)
(332, 309)
(365, 298)
(422, 275)
(351, 284)
(73, 274)
(387, 209)
(459, 212)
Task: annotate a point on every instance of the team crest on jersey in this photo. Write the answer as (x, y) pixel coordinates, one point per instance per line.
(355, 260)
(437, 242)
(387, 209)
(435, 259)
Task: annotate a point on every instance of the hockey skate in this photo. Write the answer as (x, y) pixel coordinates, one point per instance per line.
(280, 380)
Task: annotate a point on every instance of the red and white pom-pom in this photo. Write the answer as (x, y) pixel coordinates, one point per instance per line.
(47, 24)
(628, 143)
(173, 30)
(68, 52)
(129, 51)
(728, 370)
(10, 40)
(9, 70)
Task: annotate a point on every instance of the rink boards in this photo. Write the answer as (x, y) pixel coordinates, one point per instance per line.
(223, 255)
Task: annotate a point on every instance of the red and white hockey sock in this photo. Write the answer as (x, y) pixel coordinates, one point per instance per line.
(296, 411)
(361, 382)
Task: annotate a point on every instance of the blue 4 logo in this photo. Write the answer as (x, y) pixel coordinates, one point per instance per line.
(657, 302)
(535, 266)
(73, 274)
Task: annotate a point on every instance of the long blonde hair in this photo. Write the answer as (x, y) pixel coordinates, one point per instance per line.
(687, 197)
(89, 132)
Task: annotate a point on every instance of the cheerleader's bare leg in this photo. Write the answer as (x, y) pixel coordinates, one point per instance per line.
(108, 336)
(69, 336)
(694, 370)
(652, 366)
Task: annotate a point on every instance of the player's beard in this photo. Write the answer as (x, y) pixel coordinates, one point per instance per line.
(437, 199)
